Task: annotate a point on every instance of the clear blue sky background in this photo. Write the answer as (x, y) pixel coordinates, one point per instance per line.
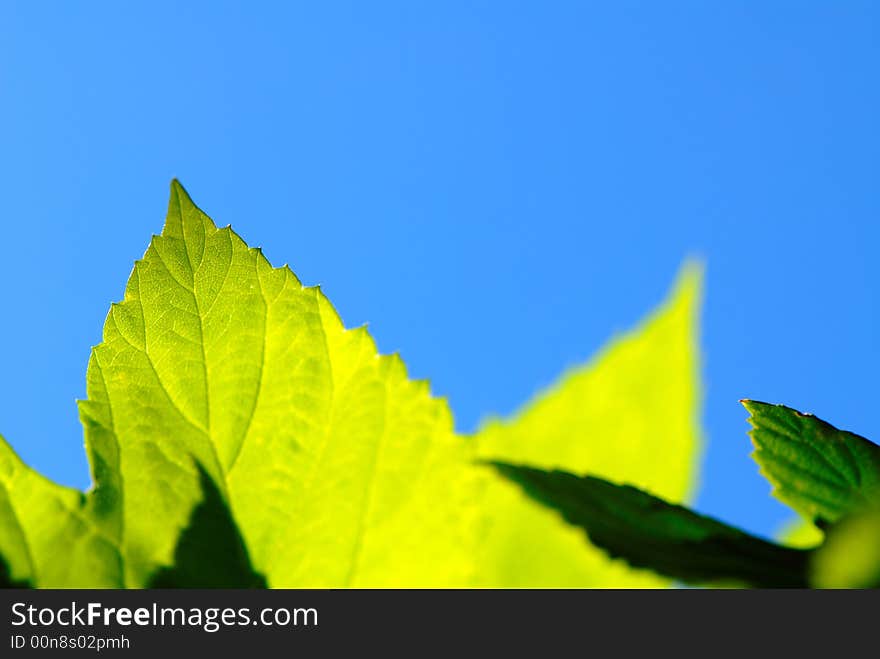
(497, 187)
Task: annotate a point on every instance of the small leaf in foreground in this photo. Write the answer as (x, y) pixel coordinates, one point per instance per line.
(648, 532)
(820, 471)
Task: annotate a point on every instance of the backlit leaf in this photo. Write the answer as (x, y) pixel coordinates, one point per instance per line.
(48, 537)
(339, 469)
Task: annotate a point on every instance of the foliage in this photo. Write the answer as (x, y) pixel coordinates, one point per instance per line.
(830, 475)
(650, 533)
(239, 435)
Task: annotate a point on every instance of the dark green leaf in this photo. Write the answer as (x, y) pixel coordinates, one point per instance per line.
(6, 580)
(648, 532)
(820, 471)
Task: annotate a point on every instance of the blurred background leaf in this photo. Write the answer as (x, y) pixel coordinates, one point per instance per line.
(630, 415)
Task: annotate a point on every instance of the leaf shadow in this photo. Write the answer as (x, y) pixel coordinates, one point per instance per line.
(6, 580)
(210, 552)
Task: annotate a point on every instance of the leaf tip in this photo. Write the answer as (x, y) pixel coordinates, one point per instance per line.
(689, 280)
(177, 187)
(180, 196)
(693, 270)
(754, 406)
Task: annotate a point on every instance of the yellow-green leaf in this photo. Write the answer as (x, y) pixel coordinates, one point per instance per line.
(800, 533)
(339, 469)
(48, 537)
(850, 557)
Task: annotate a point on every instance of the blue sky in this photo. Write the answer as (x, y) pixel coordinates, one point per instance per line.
(497, 188)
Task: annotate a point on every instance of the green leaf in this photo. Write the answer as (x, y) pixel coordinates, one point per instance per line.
(339, 469)
(820, 471)
(850, 557)
(648, 532)
(631, 415)
(37, 519)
